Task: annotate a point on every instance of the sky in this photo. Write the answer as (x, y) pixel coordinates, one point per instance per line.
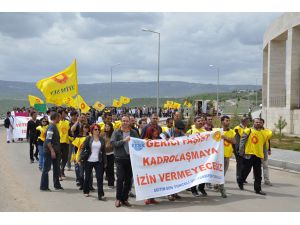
(36, 45)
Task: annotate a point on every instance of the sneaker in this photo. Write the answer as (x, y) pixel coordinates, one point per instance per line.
(102, 198)
(131, 195)
(203, 192)
(36, 158)
(195, 194)
(59, 188)
(46, 190)
(241, 186)
(171, 198)
(268, 183)
(111, 187)
(126, 203)
(177, 196)
(31, 160)
(261, 193)
(13, 141)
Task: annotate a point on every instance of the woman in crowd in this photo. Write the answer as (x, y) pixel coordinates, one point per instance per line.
(78, 143)
(109, 171)
(93, 155)
(41, 130)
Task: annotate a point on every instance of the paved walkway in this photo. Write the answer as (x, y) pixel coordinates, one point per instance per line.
(285, 159)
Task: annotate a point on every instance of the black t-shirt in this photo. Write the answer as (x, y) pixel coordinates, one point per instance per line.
(52, 136)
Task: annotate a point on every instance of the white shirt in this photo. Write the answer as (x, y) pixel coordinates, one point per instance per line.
(94, 157)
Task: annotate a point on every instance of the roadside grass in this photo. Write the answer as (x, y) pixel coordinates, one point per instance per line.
(287, 142)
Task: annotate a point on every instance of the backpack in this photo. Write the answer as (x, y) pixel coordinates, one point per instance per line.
(6, 123)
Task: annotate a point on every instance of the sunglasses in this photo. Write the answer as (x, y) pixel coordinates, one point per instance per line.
(96, 129)
(44, 121)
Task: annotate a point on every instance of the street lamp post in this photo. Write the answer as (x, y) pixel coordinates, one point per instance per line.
(111, 70)
(158, 67)
(218, 70)
(256, 93)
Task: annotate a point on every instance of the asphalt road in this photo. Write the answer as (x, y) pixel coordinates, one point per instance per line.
(19, 191)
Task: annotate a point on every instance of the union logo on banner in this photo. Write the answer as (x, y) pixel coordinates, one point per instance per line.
(82, 105)
(138, 145)
(61, 78)
(217, 136)
(37, 100)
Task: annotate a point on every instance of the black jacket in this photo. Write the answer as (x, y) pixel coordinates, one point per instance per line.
(118, 143)
(87, 150)
(31, 129)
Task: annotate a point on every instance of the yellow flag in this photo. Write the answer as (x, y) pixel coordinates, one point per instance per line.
(61, 85)
(117, 103)
(166, 106)
(190, 105)
(57, 102)
(69, 101)
(99, 106)
(124, 100)
(34, 100)
(81, 104)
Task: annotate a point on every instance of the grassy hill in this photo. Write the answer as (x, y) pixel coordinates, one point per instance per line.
(227, 100)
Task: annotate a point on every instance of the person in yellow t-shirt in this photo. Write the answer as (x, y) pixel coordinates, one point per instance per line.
(199, 122)
(252, 149)
(41, 130)
(63, 128)
(107, 118)
(265, 163)
(78, 143)
(169, 124)
(229, 141)
(239, 130)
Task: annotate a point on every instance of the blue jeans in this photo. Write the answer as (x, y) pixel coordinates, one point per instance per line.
(47, 167)
(41, 156)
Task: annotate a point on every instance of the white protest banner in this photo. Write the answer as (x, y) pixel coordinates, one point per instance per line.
(20, 126)
(162, 167)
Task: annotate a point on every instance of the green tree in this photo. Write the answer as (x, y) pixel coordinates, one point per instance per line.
(280, 125)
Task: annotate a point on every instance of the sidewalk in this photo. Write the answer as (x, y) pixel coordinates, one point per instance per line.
(285, 159)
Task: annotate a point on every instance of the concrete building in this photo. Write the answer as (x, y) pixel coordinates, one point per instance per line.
(281, 73)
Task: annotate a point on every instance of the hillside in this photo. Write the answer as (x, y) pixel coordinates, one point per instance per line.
(101, 91)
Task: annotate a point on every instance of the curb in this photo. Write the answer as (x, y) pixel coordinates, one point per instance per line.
(281, 165)
(284, 165)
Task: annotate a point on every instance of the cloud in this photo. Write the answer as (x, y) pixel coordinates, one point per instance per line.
(35, 45)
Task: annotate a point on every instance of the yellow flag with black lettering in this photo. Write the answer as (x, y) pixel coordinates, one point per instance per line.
(117, 103)
(124, 100)
(61, 85)
(34, 100)
(99, 106)
(57, 102)
(81, 104)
